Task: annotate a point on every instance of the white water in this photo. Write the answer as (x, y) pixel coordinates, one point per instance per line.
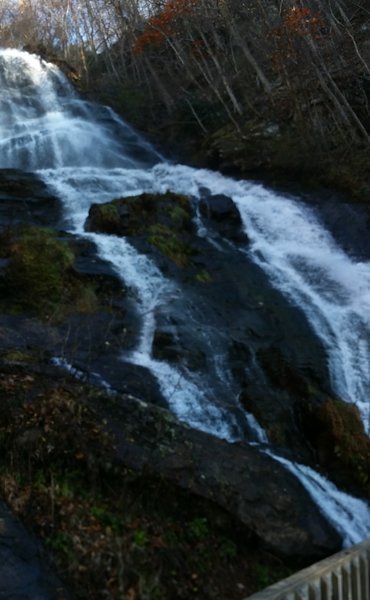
(185, 398)
(305, 263)
(86, 154)
(90, 377)
(350, 516)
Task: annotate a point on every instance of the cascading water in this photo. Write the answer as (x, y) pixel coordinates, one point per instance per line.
(86, 154)
(304, 262)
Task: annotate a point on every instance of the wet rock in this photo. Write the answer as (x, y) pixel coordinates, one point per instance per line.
(239, 338)
(221, 214)
(160, 224)
(240, 357)
(167, 347)
(24, 569)
(335, 430)
(135, 214)
(26, 199)
(264, 496)
(128, 378)
(281, 372)
(19, 333)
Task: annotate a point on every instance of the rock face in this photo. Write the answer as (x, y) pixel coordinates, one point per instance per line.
(26, 199)
(336, 432)
(236, 335)
(24, 572)
(265, 497)
(221, 214)
(159, 223)
(228, 326)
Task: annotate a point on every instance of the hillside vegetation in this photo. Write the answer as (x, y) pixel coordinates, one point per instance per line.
(265, 85)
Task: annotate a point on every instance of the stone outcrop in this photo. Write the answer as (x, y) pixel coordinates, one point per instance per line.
(254, 326)
(265, 497)
(24, 568)
(160, 223)
(256, 334)
(335, 430)
(26, 199)
(221, 214)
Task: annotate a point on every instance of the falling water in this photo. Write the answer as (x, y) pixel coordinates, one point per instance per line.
(350, 516)
(86, 154)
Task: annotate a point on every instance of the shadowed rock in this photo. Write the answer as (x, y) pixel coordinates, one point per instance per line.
(263, 495)
(222, 215)
(26, 199)
(24, 572)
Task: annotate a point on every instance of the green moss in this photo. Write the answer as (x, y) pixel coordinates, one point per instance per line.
(179, 216)
(39, 275)
(199, 528)
(341, 418)
(35, 276)
(17, 356)
(109, 519)
(336, 431)
(62, 544)
(162, 220)
(109, 212)
(86, 299)
(170, 244)
(204, 276)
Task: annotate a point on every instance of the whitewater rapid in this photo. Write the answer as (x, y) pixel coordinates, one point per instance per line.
(86, 155)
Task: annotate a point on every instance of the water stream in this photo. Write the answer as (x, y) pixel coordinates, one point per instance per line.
(86, 154)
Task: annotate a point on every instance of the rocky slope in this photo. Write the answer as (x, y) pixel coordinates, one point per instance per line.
(63, 470)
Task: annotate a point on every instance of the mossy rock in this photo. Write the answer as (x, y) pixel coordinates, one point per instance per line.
(16, 183)
(38, 262)
(336, 432)
(17, 356)
(169, 244)
(108, 214)
(39, 274)
(134, 214)
(162, 220)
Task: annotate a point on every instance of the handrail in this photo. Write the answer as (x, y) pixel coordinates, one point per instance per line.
(343, 576)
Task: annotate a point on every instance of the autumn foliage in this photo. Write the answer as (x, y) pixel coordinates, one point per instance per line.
(165, 24)
(298, 24)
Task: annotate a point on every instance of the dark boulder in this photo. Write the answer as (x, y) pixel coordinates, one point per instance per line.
(335, 431)
(260, 492)
(26, 199)
(160, 224)
(24, 568)
(135, 215)
(166, 346)
(221, 214)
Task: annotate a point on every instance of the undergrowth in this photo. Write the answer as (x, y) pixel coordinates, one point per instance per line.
(114, 533)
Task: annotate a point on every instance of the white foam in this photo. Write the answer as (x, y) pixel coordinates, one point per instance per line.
(350, 516)
(85, 160)
(90, 377)
(288, 241)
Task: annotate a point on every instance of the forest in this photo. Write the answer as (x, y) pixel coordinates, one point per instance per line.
(258, 86)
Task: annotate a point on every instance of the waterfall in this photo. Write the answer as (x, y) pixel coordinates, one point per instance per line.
(350, 516)
(86, 155)
(303, 260)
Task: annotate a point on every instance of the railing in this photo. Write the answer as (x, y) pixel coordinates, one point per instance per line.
(343, 576)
